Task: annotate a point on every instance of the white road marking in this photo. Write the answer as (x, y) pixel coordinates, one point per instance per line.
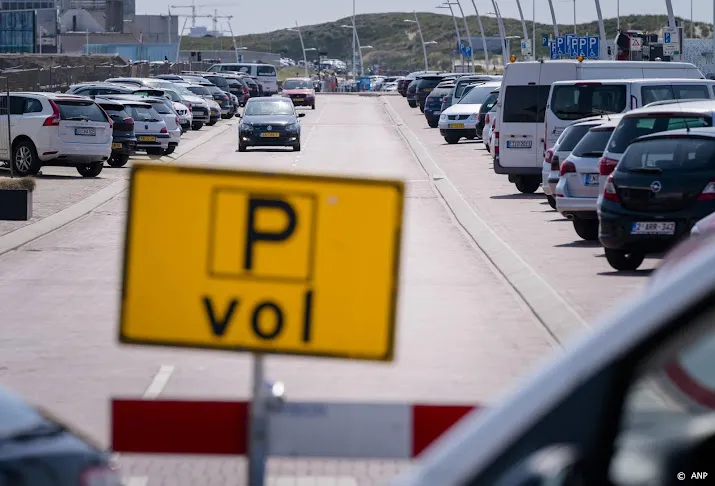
(161, 378)
(136, 481)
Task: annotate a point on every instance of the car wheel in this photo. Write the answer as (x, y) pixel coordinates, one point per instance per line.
(552, 201)
(90, 170)
(587, 229)
(211, 123)
(169, 150)
(26, 161)
(241, 147)
(413, 104)
(118, 160)
(155, 151)
(422, 108)
(197, 125)
(527, 185)
(296, 147)
(451, 139)
(433, 123)
(312, 107)
(622, 260)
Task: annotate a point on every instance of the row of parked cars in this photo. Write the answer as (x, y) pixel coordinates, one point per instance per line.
(97, 122)
(624, 150)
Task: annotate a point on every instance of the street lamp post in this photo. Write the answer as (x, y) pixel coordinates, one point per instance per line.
(355, 38)
(502, 32)
(553, 19)
(484, 39)
(523, 22)
(422, 39)
(302, 46)
(601, 31)
(469, 36)
(456, 29)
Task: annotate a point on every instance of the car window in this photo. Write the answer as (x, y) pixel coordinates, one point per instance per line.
(653, 93)
(633, 127)
(489, 103)
(576, 101)
(143, 114)
(159, 83)
(477, 95)
(218, 81)
(459, 89)
(173, 95)
(199, 90)
(115, 112)
(80, 110)
(669, 155)
(101, 91)
(269, 108)
(593, 143)
(162, 109)
(17, 105)
(572, 135)
(32, 105)
(266, 71)
(297, 84)
(525, 104)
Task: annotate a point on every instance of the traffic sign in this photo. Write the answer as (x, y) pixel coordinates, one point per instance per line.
(594, 46)
(544, 40)
(636, 44)
(468, 51)
(462, 49)
(573, 46)
(270, 263)
(553, 50)
(582, 49)
(561, 47)
(669, 36)
(525, 47)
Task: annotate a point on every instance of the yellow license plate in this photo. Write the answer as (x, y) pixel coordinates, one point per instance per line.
(117, 145)
(270, 134)
(426, 90)
(147, 138)
(456, 125)
(297, 99)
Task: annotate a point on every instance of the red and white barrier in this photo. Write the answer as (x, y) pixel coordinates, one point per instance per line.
(299, 429)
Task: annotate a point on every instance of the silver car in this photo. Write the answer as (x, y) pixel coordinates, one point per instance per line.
(151, 130)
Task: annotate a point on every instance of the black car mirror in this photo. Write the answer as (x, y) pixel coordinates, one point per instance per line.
(301, 115)
(557, 465)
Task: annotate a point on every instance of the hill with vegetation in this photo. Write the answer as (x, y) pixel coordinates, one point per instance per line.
(396, 43)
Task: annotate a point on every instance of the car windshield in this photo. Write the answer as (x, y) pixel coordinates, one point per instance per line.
(143, 114)
(573, 135)
(476, 95)
(669, 155)
(269, 108)
(219, 81)
(80, 110)
(297, 84)
(115, 112)
(461, 86)
(159, 83)
(633, 127)
(173, 95)
(593, 143)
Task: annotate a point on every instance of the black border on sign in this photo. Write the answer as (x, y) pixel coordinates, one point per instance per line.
(239, 276)
(398, 186)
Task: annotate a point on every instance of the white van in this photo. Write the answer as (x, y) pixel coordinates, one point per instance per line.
(573, 100)
(520, 141)
(266, 74)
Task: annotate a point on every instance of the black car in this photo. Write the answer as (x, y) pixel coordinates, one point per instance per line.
(411, 93)
(404, 83)
(124, 140)
(661, 187)
(237, 86)
(433, 103)
(484, 109)
(253, 88)
(269, 121)
(424, 87)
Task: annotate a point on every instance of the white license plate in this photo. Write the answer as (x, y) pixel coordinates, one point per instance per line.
(85, 131)
(518, 144)
(591, 179)
(653, 228)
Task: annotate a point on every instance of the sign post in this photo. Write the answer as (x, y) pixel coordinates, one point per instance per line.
(258, 427)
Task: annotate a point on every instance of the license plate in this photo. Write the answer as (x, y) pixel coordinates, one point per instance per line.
(653, 228)
(518, 144)
(427, 90)
(456, 125)
(147, 138)
(85, 131)
(270, 134)
(591, 180)
(297, 99)
(117, 145)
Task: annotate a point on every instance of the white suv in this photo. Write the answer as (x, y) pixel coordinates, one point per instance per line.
(49, 129)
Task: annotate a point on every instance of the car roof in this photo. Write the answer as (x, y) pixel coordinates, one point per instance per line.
(52, 96)
(107, 101)
(698, 132)
(697, 106)
(631, 80)
(263, 99)
(132, 99)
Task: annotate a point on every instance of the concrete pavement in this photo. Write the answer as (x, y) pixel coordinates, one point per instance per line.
(464, 333)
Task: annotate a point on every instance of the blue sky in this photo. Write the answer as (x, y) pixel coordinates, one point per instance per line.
(250, 18)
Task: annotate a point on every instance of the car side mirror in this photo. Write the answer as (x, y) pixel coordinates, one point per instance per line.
(557, 465)
(238, 115)
(301, 115)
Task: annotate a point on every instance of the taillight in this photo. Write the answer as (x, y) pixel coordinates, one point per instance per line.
(496, 144)
(178, 121)
(545, 132)
(606, 166)
(555, 162)
(708, 194)
(609, 192)
(549, 156)
(128, 120)
(100, 476)
(190, 106)
(444, 99)
(486, 120)
(54, 119)
(567, 167)
(164, 130)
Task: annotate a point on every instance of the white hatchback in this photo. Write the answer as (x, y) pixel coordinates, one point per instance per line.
(51, 129)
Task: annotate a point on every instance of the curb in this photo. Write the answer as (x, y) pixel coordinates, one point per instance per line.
(33, 231)
(557, 316)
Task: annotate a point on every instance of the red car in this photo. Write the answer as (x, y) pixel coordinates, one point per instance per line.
(300, 91)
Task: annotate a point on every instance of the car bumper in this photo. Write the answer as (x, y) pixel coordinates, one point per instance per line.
(577, 207)
(69, 153)
(445, 125)
(462, 132)
(175, 136)
(547, 175)
(162, 141)
(127, 147)
(284, 140)
(203, 118)
(303, 101)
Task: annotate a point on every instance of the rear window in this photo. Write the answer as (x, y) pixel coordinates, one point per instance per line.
(78, 110)
(218, 81)
(427, 83)
(669, 155)
(633, 127)
(439, 92)
(161, 108)
(158, 83)
(489, 103)
(459, 89)
(143, 114)
(266, 71)
(573, 102)
(572, 135)
(116, 113)
(650, 94)
(525, 104)
(593, 144)
(199, 90)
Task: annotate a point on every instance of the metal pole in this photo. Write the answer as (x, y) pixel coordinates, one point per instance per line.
(574, 17)
(233, 39)
(484, 39)
(422, 39)
(618, 14)
(258, 431)
(178, 44)
(601, 32)
(523, 23)
(354, 35)
(502, 33)
(533, 29)
(10, 155)
(302, 46)
(359, 50)
(692, 34)
(459, 37)
(469, 36)
(553, 19)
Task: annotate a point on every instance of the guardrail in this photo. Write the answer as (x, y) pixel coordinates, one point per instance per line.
(59, 78)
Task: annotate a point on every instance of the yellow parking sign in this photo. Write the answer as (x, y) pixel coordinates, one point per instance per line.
(271, 263)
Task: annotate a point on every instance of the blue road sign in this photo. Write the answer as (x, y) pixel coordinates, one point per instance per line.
(582, 47)
(561, 45)
(666, 38)
(573, 46)
(553, 51)
(594, 46)
(462, 48)
(468, 51)
(544, 40)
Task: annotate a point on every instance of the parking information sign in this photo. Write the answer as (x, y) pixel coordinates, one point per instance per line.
(572, 47)
(270, 263)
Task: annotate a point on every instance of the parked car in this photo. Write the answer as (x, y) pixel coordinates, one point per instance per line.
(486, 107)
(433, 102)
(207, 96)
(200, 109)
(460, 120)
(300, 91)
(663, 185)
(179, 104)
(167, 114)
(269, 121)
(151, 130)
(50, 129)
(412, 93)
(490, 125)
(424, 87)
(223, 99)
(124, 140)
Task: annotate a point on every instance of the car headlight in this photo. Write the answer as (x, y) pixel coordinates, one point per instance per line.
(247, 127)
(442, 117)
(292, 127)
(473, 117)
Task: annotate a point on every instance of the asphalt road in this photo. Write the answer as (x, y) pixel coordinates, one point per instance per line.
(464, 332)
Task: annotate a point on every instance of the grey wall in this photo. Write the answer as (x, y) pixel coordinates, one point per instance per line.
(155, 28)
